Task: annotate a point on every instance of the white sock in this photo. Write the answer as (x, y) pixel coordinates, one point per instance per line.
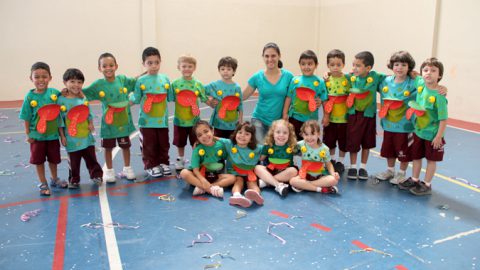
(415, 179)
(392, 169)
(402, 172)
(237, 194)
(180, 157)
(319, 189)
(353, 166)
(363, 165)
(340, 159)
(333, 157)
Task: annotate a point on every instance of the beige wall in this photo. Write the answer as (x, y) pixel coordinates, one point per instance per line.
(73, 33)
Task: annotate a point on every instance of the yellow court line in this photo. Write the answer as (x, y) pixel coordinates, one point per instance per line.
(449, 179)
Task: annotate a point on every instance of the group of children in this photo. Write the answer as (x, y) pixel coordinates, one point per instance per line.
(225, 151)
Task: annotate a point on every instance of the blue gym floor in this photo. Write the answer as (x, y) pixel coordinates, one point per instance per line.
(369, 225)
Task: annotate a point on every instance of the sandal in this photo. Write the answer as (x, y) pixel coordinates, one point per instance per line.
(58, 183)
(44, 190)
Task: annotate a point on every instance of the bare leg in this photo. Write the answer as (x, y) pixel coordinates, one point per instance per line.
(108, 158)
(225, 180)
(285, 175)
(431, 168)
(417, 167)
(324, 181)
(126, 156)
(238, 185)
(365, 153)
(188, 176)
(53, 170)
(353, 158)
(253, 185)
(41, 173)
(181, 151)
(263, 173)
(390, 162)
(403, 166)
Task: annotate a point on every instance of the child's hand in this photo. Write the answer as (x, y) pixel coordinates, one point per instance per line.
(437, 142)
(413, 74)
(318, 102)
(442, 90)
(29, 140)
(285, 117)
(212, 102)
(325, 121)
(91, 127)
(326, 75)
(63, 140)
(336, 176)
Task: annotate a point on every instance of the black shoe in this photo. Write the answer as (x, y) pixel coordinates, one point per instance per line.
(339, 167)
(362, 174)
(407, 184)
(352, 174)
(421, 189)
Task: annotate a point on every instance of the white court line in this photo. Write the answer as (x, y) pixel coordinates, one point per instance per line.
(455, 236)
(113, 254)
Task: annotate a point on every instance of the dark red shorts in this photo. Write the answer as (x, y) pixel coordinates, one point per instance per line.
(211, 176)
(361, 131)
(222, 133)
(312, 178)
(123, 142)
(297, 124)
(333, 133)
(395, 145)
(40, 151)
(180, 135)
(423, 149)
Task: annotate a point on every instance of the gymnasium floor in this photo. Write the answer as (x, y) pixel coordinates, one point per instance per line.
(369, 225)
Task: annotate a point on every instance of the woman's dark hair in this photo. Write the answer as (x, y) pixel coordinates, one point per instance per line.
(274, 46)
(402, 57)
(248, 127)
(40, 65)
(105, 55)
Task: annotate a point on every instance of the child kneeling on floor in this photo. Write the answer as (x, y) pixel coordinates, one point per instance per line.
(317, 173)
(207, 168)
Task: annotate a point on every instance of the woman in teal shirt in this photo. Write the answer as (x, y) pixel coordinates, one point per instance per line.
(272, 85)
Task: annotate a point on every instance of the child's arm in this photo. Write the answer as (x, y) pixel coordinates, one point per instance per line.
(326, 118)
(331, 170)
(63, 139)
(27, 132)
(205, 184)
(286, 106)
(437, 141)
(247, 92)
(240, 117)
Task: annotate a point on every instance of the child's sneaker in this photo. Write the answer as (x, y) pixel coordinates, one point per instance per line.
(339, 167)
(253, 195)
(128, 172)
(109, 175)
(180, 164)
(154, 172)
(362, 174)
(296, 189)
(398, 178)
(73, 185)
(166, 169)
(329, 190)
(282, 189)
(216, 191)
(57, 182)
(421, 189)
(386, 175)
(407, 184)
(198, 191)
(97, 180)
(240, 200)
(261, 183)
(352, 174)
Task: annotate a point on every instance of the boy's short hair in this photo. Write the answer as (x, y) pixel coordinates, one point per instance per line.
(106, 55)
(73, 74)
(335, 53)
(228, 61)
(433, 62)
(187, 59)
(402, 57)
(308, 54)
(150, 51)
(40, 65)
(366, 57)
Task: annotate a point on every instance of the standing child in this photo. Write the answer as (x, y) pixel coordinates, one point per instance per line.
(41, 129)
(77, 136)
(335, 117)
(279, 148)
(207, 169)
(187, 91)
(305, 93)
(117, 124)
(315, 157)
(152, 92)
(228, 94)
(396, 91)
(431, 114)
(362, 104)
(243, 154)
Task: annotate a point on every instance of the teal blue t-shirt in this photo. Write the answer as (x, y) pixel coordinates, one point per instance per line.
(243, 158)
(368, 103)
(270, 96)
(299, 106)
(219, 90)
(32, 103)
(83, 138)
(395, 120)
(436, 110)
(212, 157)
(152, 92)
(320, 154)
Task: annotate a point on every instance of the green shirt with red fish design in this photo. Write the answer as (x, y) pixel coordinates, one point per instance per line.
(29, 112)
(212, 157)
(279, 154)
(319, 154)
(242, 157)
(299, 109)
(184, 116)
(338, 89)
(83, 138)
(152, 113)
(114, 98)
(219, 90)
(370, 84)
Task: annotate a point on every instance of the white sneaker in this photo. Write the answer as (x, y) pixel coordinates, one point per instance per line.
(398, 178)
(386, 175)
(109, 175)
(155, 172)
(198, 191)
(261, 183)
(128, 172)
(180, 164)
(296, 189)
(240, 201)
(166, 169)
(216, 191)
(282, 189)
